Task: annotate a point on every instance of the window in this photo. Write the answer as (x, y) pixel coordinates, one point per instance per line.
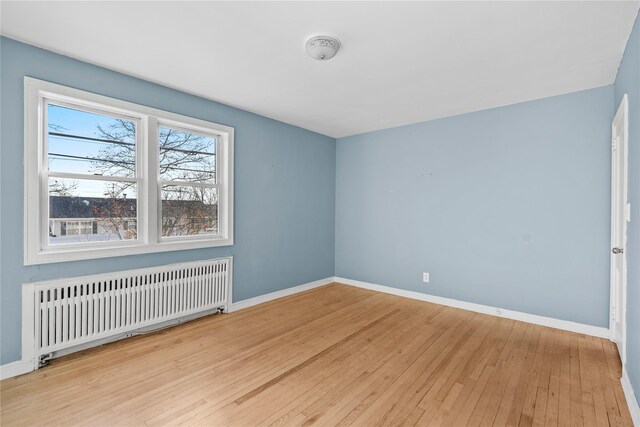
(189, 194)
(92, 172)
(105, 177)
(78, 228)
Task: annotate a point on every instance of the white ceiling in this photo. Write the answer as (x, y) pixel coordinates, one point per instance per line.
(400, 63)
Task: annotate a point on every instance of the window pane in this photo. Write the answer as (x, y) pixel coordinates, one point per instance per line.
(188, 210)
(83, 211)
(186, 156)
(88, 143)
(76, 228)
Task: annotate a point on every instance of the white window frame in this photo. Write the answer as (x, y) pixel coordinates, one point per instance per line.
(36, 204)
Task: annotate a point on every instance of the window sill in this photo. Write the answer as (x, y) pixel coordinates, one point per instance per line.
(86, 253)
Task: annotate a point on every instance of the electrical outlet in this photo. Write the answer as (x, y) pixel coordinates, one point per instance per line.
(425, 277)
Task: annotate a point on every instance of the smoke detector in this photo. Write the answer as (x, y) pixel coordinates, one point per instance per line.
(322, 47)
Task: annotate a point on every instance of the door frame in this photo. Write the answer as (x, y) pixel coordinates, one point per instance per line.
(623, 114)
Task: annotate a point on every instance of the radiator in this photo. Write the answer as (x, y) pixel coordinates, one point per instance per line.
(66, 315)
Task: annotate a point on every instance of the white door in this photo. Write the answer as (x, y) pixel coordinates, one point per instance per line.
(620, 211)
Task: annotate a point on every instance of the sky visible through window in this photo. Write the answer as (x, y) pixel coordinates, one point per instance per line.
(95, 144)
(72, 154)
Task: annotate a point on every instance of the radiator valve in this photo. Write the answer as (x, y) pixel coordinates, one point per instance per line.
(44, 359)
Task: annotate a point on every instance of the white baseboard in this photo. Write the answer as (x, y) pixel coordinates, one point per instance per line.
(630, 396)
(14, 369)
(566, 325)
(279, 294)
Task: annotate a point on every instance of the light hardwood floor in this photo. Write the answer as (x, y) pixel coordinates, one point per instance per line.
(335, 355)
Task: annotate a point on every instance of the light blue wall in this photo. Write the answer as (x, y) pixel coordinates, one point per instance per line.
(628, 81)
(507, 207)
(284, 188)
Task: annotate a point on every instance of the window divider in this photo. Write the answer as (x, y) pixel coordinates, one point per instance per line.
(72, 175)
(152, 175)
(188, 184)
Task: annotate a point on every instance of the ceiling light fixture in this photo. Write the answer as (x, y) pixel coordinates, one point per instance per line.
(322, 47)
